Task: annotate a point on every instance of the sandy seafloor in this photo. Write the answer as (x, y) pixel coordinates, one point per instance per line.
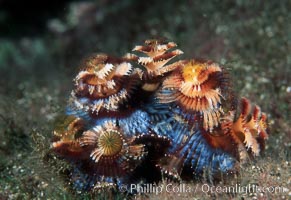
(41, 47)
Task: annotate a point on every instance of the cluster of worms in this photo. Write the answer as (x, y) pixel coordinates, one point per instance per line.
(144, 117)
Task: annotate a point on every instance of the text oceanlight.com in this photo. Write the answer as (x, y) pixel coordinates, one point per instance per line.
(205, 188)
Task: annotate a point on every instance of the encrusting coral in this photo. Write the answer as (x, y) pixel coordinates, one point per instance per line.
(131, 115)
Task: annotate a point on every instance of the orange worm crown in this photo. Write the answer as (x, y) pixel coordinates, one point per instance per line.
(248, 130)
(158, 54)
(196, 87)
(103, 82)
(110, 147)
(67, 137)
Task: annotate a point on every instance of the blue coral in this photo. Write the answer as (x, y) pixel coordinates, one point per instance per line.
(201, 156)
